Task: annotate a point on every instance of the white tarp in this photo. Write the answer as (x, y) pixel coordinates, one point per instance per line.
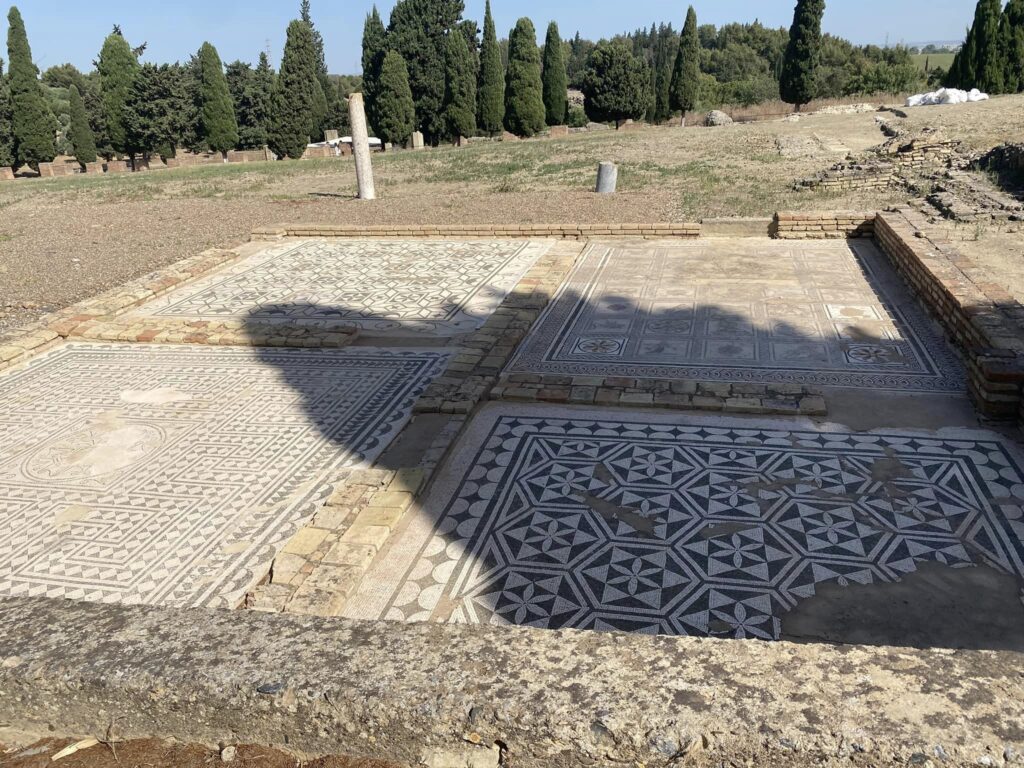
(946, 96)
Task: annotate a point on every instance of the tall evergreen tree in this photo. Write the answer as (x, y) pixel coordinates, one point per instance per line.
(250, 94)
(554, 80)
(117, 65)
(7, 158)
(685, 84)
(375, 48)
(664, 64)
(159, 114)
(337, 109)
(397, 113)
(327, 88)
(524, 103)
(1013, 46)
(459, 88)
(82, 140)
(491, 103)
(962, 73)
(616, 84)
(32, 123)
(990, 61)
(803, 54)
(294, 109)
(218, 127)
(417, 30)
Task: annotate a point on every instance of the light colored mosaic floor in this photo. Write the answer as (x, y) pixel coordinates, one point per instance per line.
(820, 313)
(423, 287)
(171, 474)
(611, 520)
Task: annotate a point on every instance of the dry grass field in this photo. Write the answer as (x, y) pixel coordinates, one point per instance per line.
(64, 239)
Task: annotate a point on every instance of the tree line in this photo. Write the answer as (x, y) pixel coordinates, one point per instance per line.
(992, 56)
(125, 107)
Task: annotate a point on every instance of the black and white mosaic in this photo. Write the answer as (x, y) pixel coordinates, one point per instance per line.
(825, 313)
(688, 526)
(174, 475)
(422, 287)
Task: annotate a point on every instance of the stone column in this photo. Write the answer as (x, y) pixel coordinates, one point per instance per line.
(361, 147)
(607, 178)
(417, 140)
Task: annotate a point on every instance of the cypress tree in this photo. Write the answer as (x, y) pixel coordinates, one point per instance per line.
(250, 95)
(375, 48)
(81, 134)
(6, 128)
(665, 66)
(555, 81)
(32, 123)
(326, 86)
(294, 100)
(159, 115)
(397, 113)
(417, 30)
(685, 84)
(803, 54)
(1013, 46)
(218, 127)
(492, 79)
(116, 66)
(990, 62)
(524, 104)
(962, 73)
(459, 88)
(616, 83)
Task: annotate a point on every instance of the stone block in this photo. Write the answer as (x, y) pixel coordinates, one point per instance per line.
(117, 166)
(417, 140)
(305, 542)
(6, 174)
(558, 131)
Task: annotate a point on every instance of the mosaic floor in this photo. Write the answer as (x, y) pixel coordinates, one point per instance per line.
(170, 474)
(412, 286)
(686, 525)
(819, 313)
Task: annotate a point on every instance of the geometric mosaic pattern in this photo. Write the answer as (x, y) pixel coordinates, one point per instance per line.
(688, 526)
(173, 475)
(818, 313)
(399, 286)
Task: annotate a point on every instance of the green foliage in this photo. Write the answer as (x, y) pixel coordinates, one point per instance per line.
(983, 60)
(577, 117)
(117, 66)
(417, 30)
(803, 54)
(218, 127)
(32, 123)
(375, 48)
(524, 105)
(664, 65)
(82, 140)
(397, 112)
(1013, 46)
(6, 128)
(337, 105)
(576, 64)
(297, 100)
(460, 88)
(554, 79)
(616, 84)
(686, 73)
(251, 90)
(491, 102)
(160, 113)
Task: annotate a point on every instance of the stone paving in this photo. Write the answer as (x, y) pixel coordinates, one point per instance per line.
(170, 474)
(433, 287)
(600, 519)
(825, 313)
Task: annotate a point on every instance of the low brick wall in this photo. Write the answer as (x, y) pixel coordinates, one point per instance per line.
(6, 174)
(972, 310)
(830, 225)
(562, 231)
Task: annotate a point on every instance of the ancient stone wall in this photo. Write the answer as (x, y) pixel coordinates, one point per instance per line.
(980, 317)
(561, 231)
(829, 225)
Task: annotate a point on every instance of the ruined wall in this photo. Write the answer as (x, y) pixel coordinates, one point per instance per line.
(830, 225)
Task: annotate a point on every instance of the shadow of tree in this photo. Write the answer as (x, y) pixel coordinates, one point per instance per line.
(525, 553)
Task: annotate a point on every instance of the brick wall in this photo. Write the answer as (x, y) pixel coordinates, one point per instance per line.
(976, 314)
(564, 231)
(6, 174)
(832, 225)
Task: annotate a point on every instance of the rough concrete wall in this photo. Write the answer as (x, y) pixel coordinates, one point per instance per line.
(552, 699)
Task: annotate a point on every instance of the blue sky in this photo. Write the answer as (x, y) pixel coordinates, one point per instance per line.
(61, 31)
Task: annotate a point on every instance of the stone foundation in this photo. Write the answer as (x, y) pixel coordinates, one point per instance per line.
(6, 174)
(561, 231)
(980, 317)
(834, 225)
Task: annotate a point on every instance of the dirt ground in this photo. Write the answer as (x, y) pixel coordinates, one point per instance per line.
(62, 240)
(151, 753)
